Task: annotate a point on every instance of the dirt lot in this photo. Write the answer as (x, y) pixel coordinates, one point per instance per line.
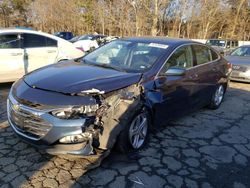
(204, 149)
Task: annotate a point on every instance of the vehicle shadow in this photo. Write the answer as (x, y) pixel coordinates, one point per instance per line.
(127, 165)
(23, 166)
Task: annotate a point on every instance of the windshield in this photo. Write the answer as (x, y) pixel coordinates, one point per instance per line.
(126, 55)
(86, 37)
(242, 51)
(59, 34)
(221, 43)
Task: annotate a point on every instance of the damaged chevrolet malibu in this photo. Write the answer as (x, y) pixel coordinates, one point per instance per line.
(115, 95)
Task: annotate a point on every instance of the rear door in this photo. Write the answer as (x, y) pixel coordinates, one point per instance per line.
(175, 91)
(11, 57)
(39, 51)
(206, 70)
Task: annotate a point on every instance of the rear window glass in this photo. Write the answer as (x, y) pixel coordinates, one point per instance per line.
(34, 41)
(203, 54)
(51, 42)
(214, 55)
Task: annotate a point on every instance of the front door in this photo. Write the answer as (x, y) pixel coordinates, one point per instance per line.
(175, 91)
(11, 57)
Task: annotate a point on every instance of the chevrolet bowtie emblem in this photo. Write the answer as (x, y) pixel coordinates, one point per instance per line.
(16, 107)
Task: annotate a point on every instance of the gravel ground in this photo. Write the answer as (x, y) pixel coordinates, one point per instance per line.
(203, 149)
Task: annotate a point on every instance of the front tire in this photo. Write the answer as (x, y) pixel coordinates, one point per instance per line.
(217, 97)
(135, 134)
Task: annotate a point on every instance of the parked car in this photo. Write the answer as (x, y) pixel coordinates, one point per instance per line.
(240, 58)
(74, 39)
(88, 43)
(223, 46)
(22, 51)
(64, 35)
(107, 39)
(116, 94)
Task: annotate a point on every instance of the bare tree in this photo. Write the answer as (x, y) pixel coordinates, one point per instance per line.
(174, 18)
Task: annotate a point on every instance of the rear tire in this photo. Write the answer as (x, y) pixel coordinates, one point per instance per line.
(135, 134)
(217, 97)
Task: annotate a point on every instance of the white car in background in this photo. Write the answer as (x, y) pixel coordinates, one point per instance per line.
(88, 43)
(23, 50)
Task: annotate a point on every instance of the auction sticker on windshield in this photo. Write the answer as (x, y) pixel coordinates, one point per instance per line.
(157, 45)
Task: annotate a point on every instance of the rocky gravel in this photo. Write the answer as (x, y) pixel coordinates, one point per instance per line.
(203, 149)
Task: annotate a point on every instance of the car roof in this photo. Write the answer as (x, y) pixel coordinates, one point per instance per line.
(224, 39)
(63, 32)
(93, 35)
(161, 40)
(9, 30)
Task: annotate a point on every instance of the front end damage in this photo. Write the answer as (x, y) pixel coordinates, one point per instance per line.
(115, 110)
(77, 129)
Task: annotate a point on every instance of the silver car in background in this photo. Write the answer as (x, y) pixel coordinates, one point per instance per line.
(240, 58)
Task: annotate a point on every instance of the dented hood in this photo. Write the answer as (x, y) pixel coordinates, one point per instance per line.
(76, 77)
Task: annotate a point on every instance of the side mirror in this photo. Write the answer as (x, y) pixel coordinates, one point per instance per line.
(174, 71)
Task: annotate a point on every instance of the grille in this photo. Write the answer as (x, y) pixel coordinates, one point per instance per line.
(28, 123)
(239, 68)
(33, 105)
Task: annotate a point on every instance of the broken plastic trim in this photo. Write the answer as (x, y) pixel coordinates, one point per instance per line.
(92, 91)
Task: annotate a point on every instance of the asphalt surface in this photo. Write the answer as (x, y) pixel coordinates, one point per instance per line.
(203, 149)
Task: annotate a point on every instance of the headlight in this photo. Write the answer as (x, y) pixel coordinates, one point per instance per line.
(75, 112)
(248, 73)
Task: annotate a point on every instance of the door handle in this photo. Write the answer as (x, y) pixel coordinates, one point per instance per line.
(194, 76)
(16, 54)
(51, 51)
(214, 69)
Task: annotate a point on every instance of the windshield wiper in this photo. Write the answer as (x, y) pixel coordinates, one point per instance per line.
(110, 67)
(103, 65)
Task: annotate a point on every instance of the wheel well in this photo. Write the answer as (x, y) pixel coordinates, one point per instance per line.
(225, 86)
(62, 60)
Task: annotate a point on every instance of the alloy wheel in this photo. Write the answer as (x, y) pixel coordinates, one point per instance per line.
(138, 130)
(219, 93)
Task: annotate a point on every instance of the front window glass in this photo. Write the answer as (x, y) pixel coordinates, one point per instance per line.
(221, 43)
(126, 55)
(181, 58)
(242, 51)
(9, 41)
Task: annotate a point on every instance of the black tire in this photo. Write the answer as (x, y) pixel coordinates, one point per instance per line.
(123, 141)
(215, 101)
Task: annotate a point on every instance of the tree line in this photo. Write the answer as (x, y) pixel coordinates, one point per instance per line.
(173, 18)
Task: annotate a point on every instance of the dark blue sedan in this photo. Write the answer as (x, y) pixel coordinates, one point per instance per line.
(115, 95)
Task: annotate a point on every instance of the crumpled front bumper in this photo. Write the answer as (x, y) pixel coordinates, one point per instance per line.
(59, 128)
